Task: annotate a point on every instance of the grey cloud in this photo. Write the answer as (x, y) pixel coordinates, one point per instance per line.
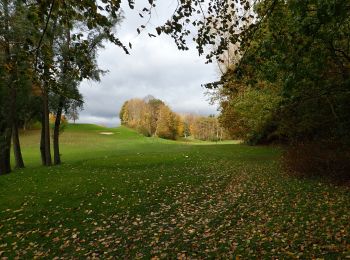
(154, 67)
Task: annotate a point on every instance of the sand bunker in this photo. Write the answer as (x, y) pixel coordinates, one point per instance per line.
(106, 133)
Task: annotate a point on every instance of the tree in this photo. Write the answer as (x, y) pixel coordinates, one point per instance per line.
(291, 83)
(133, 112)
(154, 107)
(72, 111)
(123, 116)
(5, 129)
(36, 28)
(64, 122)
(180, 126)
(188, 121)
(315, 82)
(15, 68)
(166, 124)
(6, 90)
(151, 117)
(77, 61)
(137, 114)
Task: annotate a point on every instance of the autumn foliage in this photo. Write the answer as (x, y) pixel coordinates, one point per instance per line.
(152, 117)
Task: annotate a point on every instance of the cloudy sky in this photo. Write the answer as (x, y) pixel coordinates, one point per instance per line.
(154, 67)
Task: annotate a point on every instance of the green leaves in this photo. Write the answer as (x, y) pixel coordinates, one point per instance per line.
(297, 47)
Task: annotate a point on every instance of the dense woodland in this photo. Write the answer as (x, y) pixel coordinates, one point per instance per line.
(152, 117)
(285, 72)
(291, 84)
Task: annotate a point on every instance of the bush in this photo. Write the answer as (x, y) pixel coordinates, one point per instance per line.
(326, 159)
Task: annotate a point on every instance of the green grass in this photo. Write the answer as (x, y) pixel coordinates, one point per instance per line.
(134, 197)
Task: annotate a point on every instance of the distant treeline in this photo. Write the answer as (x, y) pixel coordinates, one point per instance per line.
(152, 117)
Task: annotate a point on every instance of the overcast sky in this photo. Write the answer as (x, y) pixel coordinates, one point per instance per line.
(154, 67)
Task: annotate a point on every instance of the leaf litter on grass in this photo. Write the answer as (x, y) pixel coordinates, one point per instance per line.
(200, 206)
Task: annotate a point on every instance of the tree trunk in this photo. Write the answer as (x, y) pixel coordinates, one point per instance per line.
(42, 140)
(5, 149)
(48, 160)
(56, 133)
(6, 116)
(17, 147)
(15, 136)
(45, 130)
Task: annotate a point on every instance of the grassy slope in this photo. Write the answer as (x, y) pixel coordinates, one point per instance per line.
(132, 196)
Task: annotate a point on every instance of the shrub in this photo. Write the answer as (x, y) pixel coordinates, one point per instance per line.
(326, 159)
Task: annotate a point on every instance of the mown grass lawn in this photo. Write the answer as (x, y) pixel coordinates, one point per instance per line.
(127, 196)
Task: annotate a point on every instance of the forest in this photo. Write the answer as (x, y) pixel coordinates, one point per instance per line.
(267, 177)
(152, 117)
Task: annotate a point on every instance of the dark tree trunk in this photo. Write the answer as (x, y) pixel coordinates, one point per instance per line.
(56, 133)
(5, 149)
(15, 135)
(6, 112)
(42, 140)
(48, 160)
(17, 147)
(45, 133)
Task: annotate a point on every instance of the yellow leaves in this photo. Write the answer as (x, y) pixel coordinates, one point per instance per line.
(151, 117)
(52, 119)
(8, 67)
